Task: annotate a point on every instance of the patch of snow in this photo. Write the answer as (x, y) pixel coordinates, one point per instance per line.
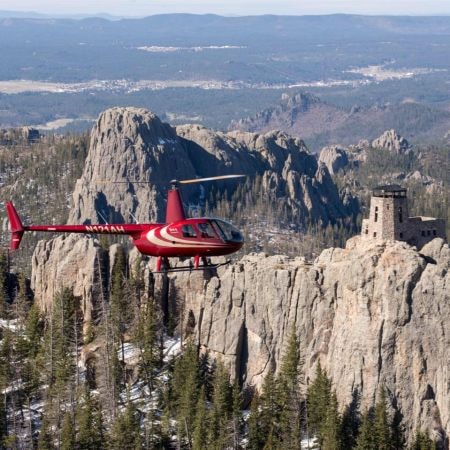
(172, 347)
(12, 325)
(161, 49)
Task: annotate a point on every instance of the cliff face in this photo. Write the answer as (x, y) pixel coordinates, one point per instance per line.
(133, 144)
(128, 144)
(375, 315)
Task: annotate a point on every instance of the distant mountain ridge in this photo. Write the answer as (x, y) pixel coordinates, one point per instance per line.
(35, 15)
(320, 123)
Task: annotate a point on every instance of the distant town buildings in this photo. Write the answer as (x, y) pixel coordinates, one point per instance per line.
(389, 220)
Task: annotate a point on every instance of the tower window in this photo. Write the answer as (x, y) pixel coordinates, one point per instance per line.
(434, 232)
(376, 217)
(401, 235)
(423, 233)
(367, 231)
(400, 214)
(428, 232)
(375, 234)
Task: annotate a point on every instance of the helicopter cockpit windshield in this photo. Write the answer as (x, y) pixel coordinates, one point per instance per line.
(226, 231)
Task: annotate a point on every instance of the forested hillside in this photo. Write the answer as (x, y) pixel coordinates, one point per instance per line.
(128, 383)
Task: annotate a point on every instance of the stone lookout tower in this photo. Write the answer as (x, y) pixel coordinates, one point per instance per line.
(389, 219)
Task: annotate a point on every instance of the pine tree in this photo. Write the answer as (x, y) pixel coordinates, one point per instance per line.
(256, 435)
(3, 417)
(125, 434)
(331, 426)
(146, 339)
(68, 432)
(422, 441)
(33, 330)
(350, 422)
(289, 400)
(236, 414)
(45, 441)
(185, 387)
(398, 440)
(91, 430)
(221, 409)
(4, 297)
(270, 410)
(206, 374)
(366, 438)
(120, 311)
(318, 399)
(381, 424)
(22, 301)
(200, 434)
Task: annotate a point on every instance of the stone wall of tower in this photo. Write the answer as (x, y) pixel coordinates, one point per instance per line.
(388, 219)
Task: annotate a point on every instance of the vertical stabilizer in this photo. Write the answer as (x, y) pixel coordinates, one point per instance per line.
(16, 226)
(175, 210)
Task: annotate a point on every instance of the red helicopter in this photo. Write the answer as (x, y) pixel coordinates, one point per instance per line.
(179, 236)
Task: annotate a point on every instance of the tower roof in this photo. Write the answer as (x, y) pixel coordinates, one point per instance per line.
(389, 190)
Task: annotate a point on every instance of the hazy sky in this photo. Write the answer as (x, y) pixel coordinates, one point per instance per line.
(230, 7)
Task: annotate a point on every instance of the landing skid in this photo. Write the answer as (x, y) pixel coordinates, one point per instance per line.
(191, 268)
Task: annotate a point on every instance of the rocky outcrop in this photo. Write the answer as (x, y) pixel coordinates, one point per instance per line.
(73, 262)
(392, 141)
(287, 168)
(376, 314)
(128, 144)
(133, 156)
(334, 157)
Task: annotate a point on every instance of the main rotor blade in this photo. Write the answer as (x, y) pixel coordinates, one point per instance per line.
(220, 177)
(122, 182)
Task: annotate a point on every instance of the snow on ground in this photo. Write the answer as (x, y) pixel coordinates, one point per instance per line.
(159, 49)
(12, 325)
(172, 347)
(382, 73)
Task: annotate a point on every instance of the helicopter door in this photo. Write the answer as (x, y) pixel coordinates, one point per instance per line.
(206, 230)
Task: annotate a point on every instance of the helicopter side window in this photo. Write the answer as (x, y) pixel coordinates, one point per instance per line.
(227, 231)
(206, 230)
(188, 231)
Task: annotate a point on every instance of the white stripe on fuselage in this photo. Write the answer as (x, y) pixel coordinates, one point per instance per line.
(174, 241)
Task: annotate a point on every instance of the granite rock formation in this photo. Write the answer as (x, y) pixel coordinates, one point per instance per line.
(133, 144)
(376, 314)
(392, 141)
(128, 144)
(334, 157)
(74, 262)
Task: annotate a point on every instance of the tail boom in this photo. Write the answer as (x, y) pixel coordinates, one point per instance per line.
(17, 229)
